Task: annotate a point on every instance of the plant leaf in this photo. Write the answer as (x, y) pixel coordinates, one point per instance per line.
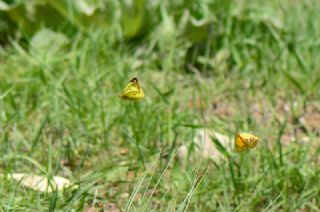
(47, 42)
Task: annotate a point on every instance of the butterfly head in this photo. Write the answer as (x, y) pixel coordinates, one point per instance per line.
(135, 80)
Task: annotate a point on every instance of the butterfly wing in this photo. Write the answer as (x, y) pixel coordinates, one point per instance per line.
(132, 92)
(251, 142)
(249, 139)
(240, 145)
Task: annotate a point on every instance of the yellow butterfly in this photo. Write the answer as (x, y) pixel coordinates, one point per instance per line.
(244, 141)
(132, 91)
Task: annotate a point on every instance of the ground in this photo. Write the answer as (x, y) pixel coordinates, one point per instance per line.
(258, 72)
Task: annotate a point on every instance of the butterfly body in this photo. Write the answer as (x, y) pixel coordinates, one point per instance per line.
(132, 91)
(244, 141)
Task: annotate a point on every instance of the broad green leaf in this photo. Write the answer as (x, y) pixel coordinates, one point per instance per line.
(47, 42)
(197, 30)
(85, 14)
(132, 18)
(4, 6)
(32, 16)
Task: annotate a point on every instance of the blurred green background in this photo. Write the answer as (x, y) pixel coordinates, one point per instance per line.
(209, 69)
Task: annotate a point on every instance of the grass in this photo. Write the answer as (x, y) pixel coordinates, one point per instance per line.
(257, 71)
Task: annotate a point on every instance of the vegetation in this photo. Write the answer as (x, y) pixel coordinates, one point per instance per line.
(205, 67)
